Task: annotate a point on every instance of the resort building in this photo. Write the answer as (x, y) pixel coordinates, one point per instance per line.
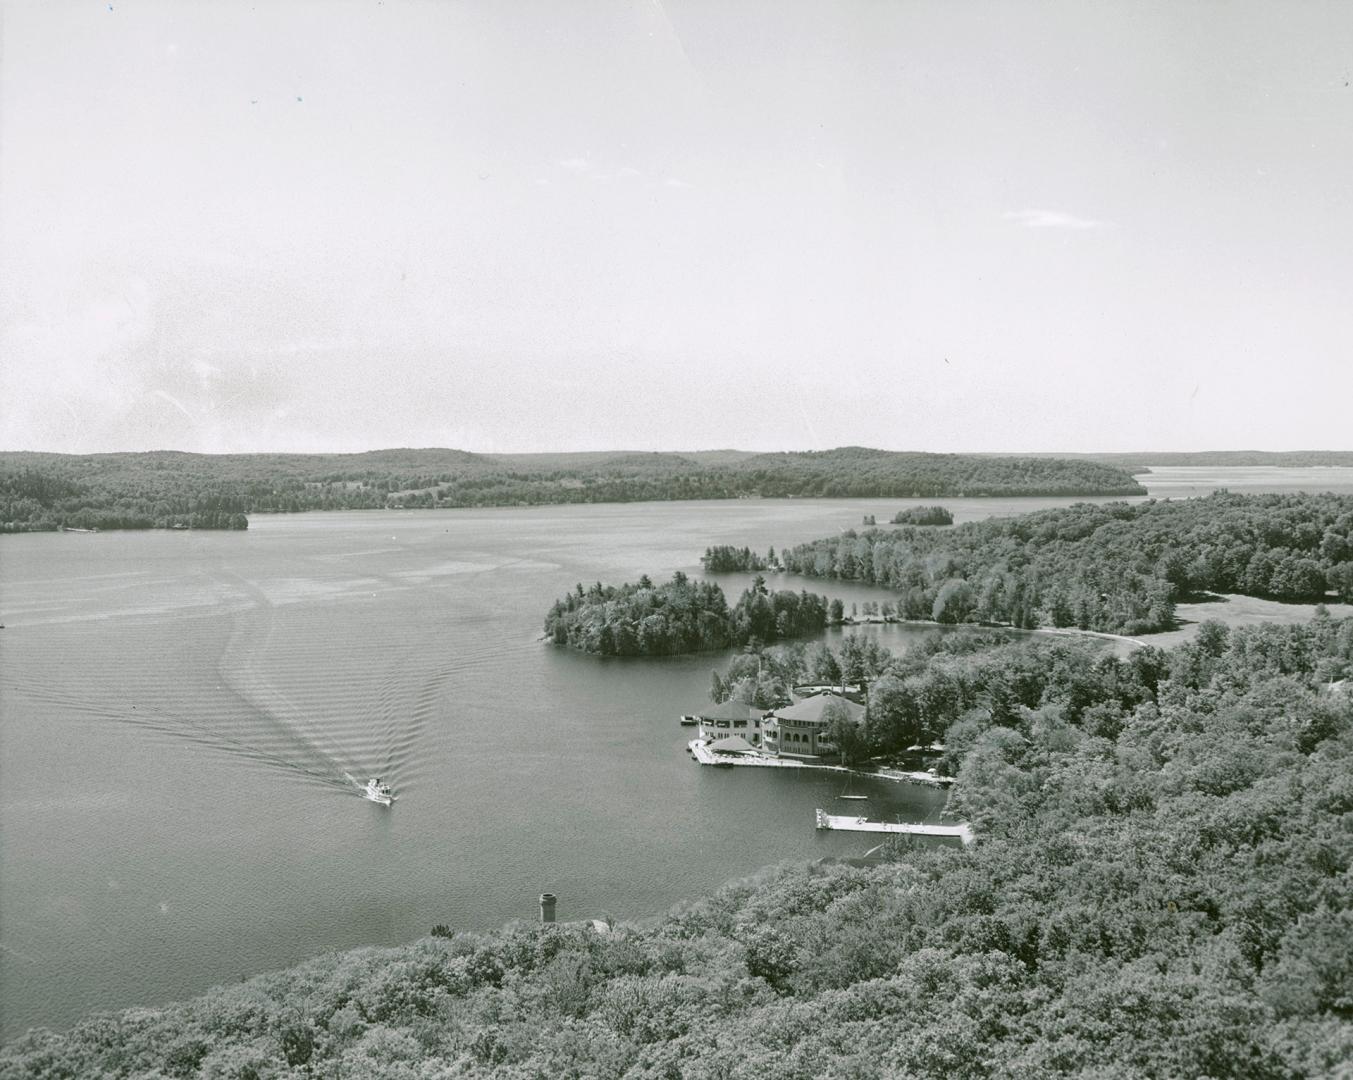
(731, 718)
(800, 731)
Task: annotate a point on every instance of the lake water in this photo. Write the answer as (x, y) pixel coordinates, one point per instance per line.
(181, 710)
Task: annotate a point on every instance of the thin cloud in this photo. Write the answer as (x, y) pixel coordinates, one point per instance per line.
(581, 166)
(1052, 219)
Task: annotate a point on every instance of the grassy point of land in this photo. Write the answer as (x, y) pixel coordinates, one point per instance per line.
(1236, 610)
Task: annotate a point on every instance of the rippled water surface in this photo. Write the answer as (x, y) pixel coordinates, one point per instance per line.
(184, 715)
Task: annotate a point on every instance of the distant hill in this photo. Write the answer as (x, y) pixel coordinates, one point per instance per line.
(860, 472)
(593, 460)
(1290, 459)
(165, 489)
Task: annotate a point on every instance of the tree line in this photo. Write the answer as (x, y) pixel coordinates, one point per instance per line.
(33, 501)
(680, 616)
(1115, 567)
(150, 490)
(724, 558)
(1159, 887)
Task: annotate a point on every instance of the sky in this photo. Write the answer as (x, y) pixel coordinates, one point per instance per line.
(1004, 226)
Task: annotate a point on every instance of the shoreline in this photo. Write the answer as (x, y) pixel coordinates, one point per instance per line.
(1058, 631)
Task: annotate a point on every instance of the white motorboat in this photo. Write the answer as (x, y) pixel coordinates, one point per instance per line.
(378, 792)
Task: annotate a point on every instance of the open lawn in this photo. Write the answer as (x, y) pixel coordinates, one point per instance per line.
(1236, 610)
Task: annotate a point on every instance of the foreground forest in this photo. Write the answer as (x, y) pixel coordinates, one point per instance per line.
(1114, 567)
(1162, 886)
(157, 490)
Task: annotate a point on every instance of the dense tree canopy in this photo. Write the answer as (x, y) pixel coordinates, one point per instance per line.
(681, 616)
(923, 515)
(724, 558)
(37, 500)
(1114, 567)
(1161, 886)
(47, 491)
(863, 473)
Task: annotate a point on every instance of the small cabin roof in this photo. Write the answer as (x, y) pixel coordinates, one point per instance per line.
(730, 710)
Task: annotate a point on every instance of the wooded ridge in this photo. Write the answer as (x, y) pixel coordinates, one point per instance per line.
(157, 490)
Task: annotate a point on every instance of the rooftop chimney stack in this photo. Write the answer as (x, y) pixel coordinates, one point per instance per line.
(547, 907)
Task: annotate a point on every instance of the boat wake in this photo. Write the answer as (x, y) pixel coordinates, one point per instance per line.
(362, 718)
(286, 692)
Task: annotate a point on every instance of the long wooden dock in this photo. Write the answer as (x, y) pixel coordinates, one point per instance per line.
(843, 823)
(700, 750)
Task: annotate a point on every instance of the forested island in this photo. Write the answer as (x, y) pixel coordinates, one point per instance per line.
(923, 515)
(681, 616)
(1115, 567)
(41, 491)
(1160, 887)
(724, 558)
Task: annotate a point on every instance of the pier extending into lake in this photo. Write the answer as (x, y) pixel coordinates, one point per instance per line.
(699, 749)
(842, 823)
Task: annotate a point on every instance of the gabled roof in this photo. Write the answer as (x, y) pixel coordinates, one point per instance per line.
(734, 744)
(810, 710)
(730, 710)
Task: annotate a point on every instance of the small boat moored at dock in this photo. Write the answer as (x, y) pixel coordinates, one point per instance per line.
(687, 720)
(849, 793)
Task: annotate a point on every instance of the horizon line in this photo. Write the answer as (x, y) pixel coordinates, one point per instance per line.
(631, 450)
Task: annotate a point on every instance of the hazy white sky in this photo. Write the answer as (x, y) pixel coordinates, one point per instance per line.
(926, 225)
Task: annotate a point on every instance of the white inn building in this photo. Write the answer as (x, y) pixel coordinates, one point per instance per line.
(731, 718)
(800, 731)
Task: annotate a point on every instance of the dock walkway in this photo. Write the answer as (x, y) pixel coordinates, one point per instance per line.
(705, 756)
(700, 750)
(842, 823)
